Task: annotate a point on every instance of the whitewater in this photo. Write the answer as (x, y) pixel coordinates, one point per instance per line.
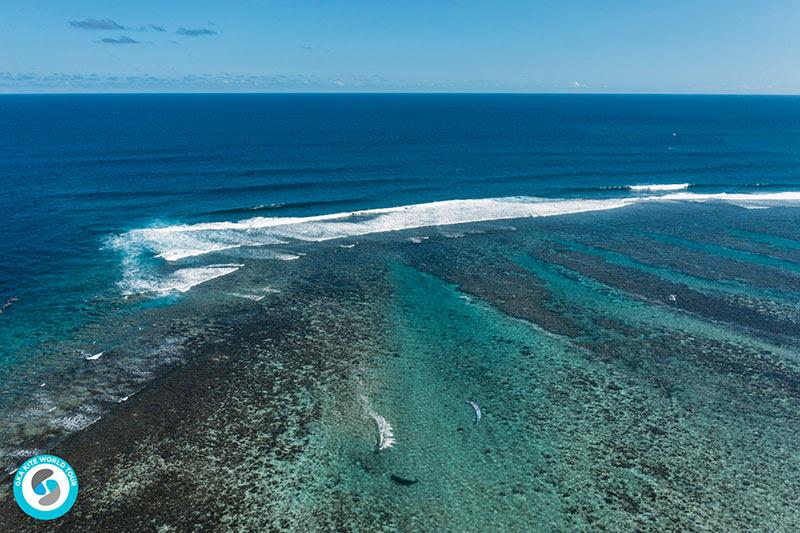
(175, 243)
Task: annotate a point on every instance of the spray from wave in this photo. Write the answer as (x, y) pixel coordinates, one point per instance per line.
(175, 243)
(385, 431)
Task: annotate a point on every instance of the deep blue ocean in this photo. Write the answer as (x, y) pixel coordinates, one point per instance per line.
(77, 169)
(112, 206)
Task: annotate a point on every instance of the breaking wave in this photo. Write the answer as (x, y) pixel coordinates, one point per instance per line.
(175, 243)
(658, 187)
(181, 280)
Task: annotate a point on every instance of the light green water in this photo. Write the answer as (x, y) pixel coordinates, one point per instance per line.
(606, 405)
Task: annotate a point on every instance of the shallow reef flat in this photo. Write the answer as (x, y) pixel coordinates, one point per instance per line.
(636, 369)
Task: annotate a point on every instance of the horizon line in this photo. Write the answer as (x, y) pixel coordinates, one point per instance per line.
(516, 93)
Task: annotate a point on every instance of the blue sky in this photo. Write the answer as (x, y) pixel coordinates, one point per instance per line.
(702, 46)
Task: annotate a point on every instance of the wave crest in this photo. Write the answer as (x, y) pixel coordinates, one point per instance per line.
(174, 243)
(659, 187)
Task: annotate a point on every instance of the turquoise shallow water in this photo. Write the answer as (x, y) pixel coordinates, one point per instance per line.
(620, 388)
(634, 351)
(650, 418)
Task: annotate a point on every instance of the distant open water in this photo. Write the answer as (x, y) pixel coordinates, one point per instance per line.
(114, 205)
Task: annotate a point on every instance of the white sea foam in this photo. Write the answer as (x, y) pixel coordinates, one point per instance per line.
(180, 280)
(26, 453)
(78, 420)
(385, 432)
(173, 243)
(269, 290)
(658, 187)
(246, 296)
(287, 257)
(748, 201)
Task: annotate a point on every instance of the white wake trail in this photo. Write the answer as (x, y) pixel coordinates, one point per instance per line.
(385, 430)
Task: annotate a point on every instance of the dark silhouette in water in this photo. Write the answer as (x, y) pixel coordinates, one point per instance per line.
(403, 481)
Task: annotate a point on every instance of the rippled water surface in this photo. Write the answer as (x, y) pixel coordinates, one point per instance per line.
(239, 310)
